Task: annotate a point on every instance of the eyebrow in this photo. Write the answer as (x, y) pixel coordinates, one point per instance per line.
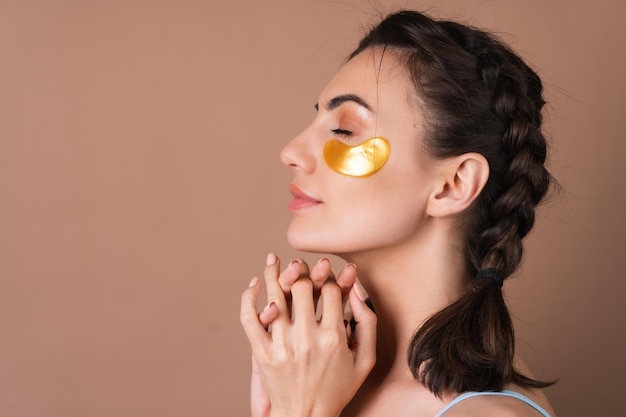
(335, 102)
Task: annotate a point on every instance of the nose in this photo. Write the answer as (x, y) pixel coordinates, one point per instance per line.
(298, 154)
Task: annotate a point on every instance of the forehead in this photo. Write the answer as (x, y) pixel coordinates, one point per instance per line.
(377, 76)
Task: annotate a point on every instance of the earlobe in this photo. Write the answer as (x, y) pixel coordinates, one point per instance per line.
(460, 181)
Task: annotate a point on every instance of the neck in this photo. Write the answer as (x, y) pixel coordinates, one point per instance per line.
(407, 284)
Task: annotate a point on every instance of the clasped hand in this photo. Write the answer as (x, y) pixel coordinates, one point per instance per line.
(307, 363)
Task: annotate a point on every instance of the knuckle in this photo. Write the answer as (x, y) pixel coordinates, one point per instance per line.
(248, 318)
(302, 286)
(330, 340)
(282, 355)
(330, 288)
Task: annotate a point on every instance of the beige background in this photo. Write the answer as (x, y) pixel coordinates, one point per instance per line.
(140, 189)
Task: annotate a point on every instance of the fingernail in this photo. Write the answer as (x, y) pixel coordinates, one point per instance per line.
(295, 261)
(322, 260)
(254, 281)
(267, 307)
(353, 266)
(271, 259)
(360, 292)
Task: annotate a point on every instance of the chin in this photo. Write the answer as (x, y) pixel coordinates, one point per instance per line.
(318, 243)
(307, 240)
(303, 244)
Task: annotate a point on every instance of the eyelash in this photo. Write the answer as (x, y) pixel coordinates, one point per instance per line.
(342, 132)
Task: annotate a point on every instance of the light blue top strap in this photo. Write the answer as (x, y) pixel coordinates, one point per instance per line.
(505, 393)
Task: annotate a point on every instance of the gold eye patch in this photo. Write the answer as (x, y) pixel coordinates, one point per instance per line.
(357, 161)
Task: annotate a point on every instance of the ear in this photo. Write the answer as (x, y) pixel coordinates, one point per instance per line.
(459, 181)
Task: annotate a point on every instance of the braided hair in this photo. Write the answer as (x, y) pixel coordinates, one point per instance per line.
(478, 96)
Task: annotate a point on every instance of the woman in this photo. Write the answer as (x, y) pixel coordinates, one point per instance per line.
(423, 167)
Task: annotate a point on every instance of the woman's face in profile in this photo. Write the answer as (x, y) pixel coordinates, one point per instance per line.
(370, 96)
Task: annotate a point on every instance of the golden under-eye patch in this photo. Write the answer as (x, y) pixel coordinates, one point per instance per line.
(361, 160)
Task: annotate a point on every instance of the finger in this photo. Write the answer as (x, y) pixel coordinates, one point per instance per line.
(291, 275)
(268, 315)
(332, 306)
(345, 280)
(273, 291)
(302, 302)
(320, 273)
(248, 314)
(305, 271)
(365, 331)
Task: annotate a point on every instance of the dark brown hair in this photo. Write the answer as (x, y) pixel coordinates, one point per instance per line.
(478, 96)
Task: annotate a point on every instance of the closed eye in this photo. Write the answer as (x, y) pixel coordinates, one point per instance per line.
(342, 132)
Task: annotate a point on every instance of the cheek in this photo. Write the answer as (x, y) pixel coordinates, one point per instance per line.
(361, 160)
(381, 212)
(395, 203)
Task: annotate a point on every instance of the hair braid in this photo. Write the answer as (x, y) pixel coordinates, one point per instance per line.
(517, 103)
(479, 97)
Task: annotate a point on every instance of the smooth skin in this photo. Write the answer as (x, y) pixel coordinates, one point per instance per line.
(314, 367)
(319, 275)
(402, 227)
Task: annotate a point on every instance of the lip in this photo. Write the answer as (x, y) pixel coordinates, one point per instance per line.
(301, 200)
